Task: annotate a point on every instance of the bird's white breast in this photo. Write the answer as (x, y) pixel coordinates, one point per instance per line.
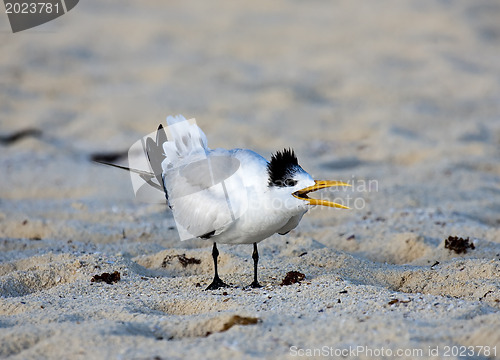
(220, 194)
(265, 215)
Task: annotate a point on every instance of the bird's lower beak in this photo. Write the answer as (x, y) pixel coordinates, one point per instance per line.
(320, 184)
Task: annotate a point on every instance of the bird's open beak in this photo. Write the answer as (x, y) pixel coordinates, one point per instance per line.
(320, 184)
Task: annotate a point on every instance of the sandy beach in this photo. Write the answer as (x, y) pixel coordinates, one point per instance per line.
(399, 98)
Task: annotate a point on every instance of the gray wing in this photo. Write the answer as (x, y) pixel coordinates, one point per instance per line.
(206, 195)
(291, 224)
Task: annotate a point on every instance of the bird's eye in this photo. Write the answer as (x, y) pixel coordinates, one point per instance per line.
(290, 182)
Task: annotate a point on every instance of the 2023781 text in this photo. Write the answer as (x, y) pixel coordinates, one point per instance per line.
(32, 8)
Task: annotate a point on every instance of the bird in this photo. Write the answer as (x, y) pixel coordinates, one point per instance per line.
(227, 196)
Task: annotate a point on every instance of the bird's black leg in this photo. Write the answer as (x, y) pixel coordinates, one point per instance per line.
(255, 257)
(217, 283)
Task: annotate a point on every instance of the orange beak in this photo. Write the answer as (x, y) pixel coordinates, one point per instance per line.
(320, 184)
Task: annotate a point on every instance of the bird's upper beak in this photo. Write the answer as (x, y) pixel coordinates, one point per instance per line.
(320, 184)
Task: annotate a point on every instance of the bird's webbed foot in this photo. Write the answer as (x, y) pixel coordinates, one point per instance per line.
(255, 285)
(217, 283)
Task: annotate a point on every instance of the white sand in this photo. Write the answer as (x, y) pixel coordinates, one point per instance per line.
(402, 93)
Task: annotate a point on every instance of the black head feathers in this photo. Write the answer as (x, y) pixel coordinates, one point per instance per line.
(282, 167)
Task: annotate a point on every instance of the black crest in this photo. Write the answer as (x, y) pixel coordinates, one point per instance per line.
(282, 167)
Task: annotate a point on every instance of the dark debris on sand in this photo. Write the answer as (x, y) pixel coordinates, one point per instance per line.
(293, 277)
(239, 320)
(458, 245)
(183, 260)
(107, 278)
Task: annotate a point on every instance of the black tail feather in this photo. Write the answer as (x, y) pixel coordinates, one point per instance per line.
(154, 151)
(146, 174)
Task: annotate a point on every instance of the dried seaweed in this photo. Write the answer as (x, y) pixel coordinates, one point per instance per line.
(239, 320)
(107, 278)
(183, 260)
(458, 245)
(293, 277)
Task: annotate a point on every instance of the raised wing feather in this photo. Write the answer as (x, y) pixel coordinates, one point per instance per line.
(206, 192)
(186, 143)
